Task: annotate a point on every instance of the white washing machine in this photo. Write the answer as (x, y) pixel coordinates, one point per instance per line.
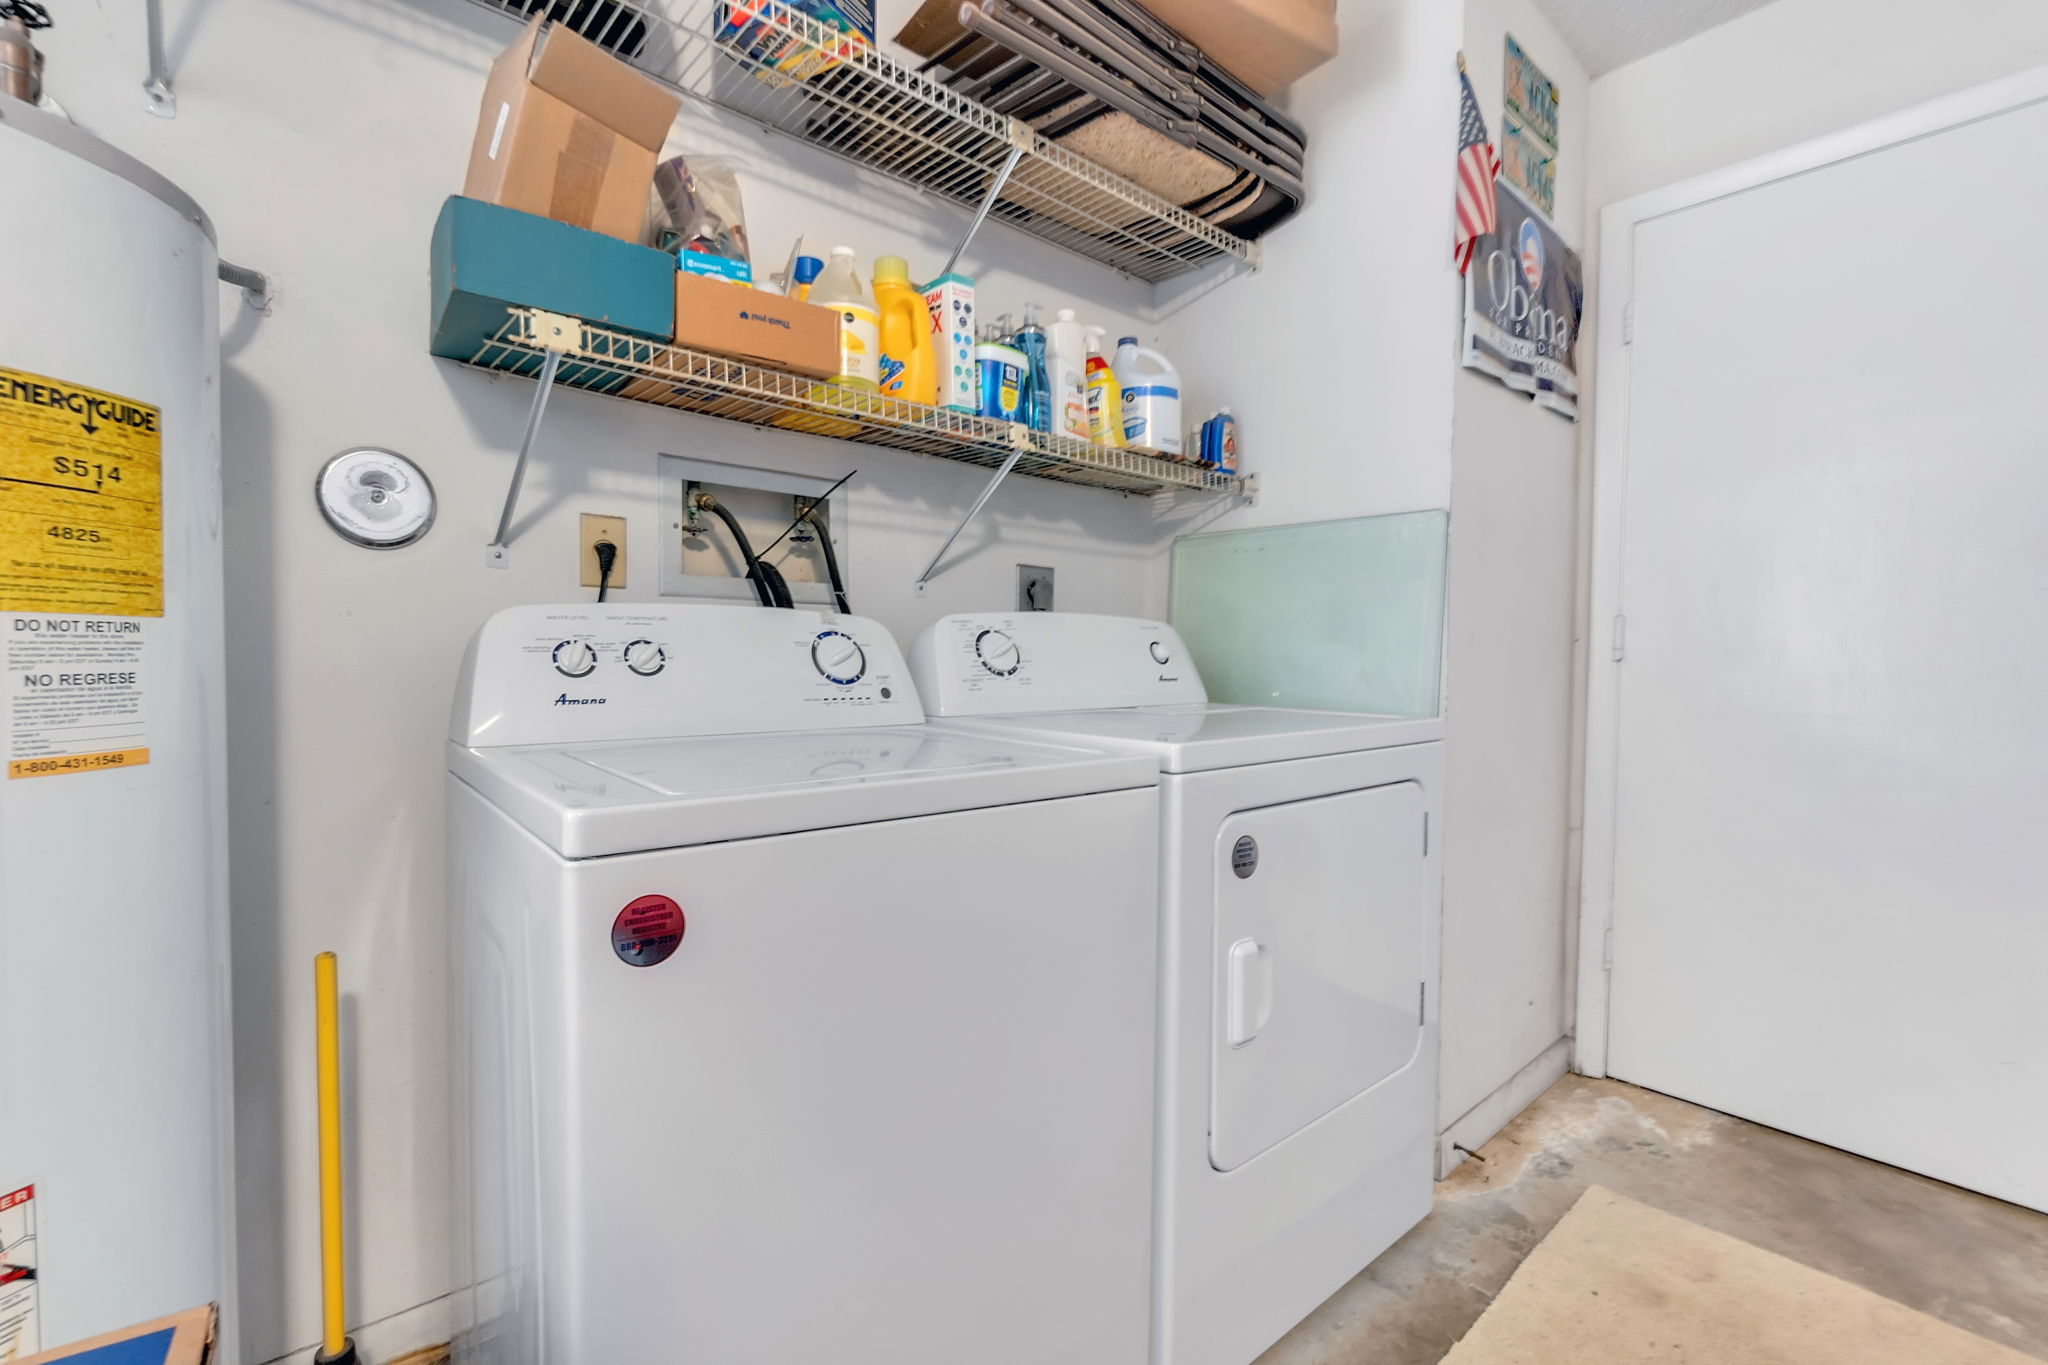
(1299, 947)
(790, 1029)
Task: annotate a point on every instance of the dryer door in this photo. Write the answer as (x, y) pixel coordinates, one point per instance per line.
(1319, 961)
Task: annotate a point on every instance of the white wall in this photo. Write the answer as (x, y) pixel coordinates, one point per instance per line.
(1508, 671)
(1790, 71)
(1335, 355)
(322, 136)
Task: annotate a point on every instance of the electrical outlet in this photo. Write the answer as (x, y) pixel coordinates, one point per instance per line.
(1034, 587)
(593, 529)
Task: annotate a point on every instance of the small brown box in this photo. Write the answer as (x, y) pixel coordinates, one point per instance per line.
(731, 319)
(568, 132)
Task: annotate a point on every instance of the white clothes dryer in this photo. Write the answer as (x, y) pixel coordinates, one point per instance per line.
(1299, 949)
(790, 1028)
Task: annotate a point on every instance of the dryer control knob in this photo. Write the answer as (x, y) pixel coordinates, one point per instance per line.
(1160, 653)
(838, 657)
(998, 653)
(645, 658)
(574, 659)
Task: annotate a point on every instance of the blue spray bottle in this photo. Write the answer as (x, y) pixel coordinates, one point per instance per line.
(1030, 339)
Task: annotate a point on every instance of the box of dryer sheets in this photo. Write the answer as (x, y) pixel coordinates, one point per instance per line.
(753, 324)
(181, 1339)
(798, 38)
(569, 133)
(950, 301)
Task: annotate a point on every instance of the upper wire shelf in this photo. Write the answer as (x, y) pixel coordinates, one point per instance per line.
(882, 114)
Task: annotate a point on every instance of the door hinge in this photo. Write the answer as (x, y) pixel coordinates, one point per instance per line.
(1425, 834)
(1607, 948)
(1628, 323)
(1620, 637)
(1421, 1003)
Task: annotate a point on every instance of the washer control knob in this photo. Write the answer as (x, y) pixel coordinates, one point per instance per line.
(1160, 653)
(838, 657)
(645, 658)
(998, 653)
(574, 659)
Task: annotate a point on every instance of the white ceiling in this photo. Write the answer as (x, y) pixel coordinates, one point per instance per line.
(1604, 34)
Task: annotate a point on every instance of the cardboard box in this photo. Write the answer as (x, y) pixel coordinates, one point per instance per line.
(181, 1339)
(486, 258)
(1267, 44)
(752, 324)
(568, 132)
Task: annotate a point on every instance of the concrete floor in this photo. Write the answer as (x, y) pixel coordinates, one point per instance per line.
(1969, 1260)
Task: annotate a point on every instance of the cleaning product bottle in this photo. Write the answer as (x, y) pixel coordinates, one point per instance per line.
(860, 340)
(1105, 401)
(1030, 339)
(1219, 442)
(1151, 398)
(1000, 369)
(1066, 368)
(910, 366)
(806, 274)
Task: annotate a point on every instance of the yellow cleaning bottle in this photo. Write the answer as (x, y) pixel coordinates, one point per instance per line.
(1105, 398)
(910, 364)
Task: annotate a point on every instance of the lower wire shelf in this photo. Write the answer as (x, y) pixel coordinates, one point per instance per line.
(600, 360)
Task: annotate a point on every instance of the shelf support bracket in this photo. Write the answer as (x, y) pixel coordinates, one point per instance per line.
(555, 334)
(1020, 441)
(988, 200)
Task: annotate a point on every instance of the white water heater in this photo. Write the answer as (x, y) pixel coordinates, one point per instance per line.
(115, 1163)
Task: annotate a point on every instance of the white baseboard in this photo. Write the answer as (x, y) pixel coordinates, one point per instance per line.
(426, 1324)
(1494, 1113)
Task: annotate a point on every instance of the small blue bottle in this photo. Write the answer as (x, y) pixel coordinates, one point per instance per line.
(1030, 339)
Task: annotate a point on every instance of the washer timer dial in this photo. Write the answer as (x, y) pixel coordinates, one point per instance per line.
(645, 658)
(998, 653)
(574, 659)
(838, 657)
(1160, 653)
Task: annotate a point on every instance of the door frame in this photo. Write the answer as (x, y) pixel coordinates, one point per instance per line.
(1607, 538)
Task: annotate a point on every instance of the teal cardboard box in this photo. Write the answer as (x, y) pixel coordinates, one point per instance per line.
(487, 258)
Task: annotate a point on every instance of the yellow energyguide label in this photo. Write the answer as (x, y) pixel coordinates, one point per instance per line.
(81, 499)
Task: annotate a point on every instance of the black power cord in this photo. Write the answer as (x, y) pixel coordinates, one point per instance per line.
(768, 583)
(831, 560)
(607, 555)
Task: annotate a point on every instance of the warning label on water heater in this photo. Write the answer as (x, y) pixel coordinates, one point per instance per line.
(81, 499)
(18, 1287)
(75, 694)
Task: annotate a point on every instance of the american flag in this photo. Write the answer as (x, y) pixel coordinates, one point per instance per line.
(1478, 164)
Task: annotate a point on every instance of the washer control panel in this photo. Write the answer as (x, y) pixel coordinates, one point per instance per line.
(1010, 663)
(551, 675)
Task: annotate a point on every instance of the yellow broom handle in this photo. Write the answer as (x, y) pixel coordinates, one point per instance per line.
(333, 1330)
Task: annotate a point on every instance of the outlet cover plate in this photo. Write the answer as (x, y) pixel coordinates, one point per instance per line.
(590, 530)
(1034, 587)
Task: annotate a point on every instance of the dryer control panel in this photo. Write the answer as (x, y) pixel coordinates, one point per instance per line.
(1021, 662)
(556, 675)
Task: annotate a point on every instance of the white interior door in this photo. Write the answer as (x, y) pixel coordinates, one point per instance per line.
(1830, 778)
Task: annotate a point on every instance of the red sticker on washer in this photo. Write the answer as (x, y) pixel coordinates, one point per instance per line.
(648, 931)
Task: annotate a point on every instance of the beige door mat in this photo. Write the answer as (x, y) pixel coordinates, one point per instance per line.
(1617, 1283)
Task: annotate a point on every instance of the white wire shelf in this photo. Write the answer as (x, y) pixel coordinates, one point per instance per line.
(881, 114)
(666, 375)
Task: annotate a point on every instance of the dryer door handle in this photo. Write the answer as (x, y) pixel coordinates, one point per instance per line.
(1250, 986)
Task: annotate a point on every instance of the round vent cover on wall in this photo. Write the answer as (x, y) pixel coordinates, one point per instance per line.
(375, 498)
